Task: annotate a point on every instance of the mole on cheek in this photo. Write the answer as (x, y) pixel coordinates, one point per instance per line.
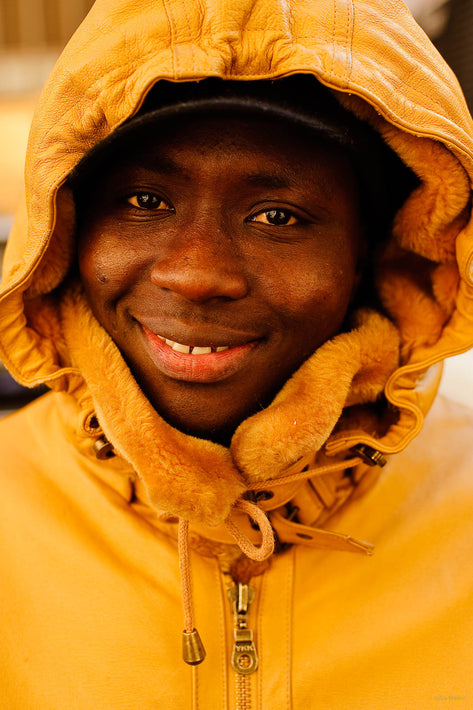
(101, 278)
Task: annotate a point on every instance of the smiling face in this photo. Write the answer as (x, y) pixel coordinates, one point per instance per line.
(219, 255)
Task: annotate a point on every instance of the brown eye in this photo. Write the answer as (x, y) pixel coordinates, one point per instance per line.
(276, 217)
(148, 201)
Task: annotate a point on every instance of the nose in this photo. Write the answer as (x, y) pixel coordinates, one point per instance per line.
(200, 265)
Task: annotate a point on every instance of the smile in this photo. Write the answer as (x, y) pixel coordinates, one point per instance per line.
(192, 349)
(200, 364)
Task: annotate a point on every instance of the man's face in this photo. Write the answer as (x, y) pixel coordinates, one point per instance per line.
(219, 254)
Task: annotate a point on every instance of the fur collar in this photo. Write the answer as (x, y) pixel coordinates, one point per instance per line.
(197, 479)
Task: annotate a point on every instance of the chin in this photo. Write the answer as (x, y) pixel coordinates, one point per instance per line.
(202, 424)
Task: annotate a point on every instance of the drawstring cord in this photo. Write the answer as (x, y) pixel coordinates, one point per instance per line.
(309, 473)
(184, 570)
(193, 651)
(192, 648)
(266, 549)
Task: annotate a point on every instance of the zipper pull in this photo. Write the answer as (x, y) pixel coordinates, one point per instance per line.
(244, 656)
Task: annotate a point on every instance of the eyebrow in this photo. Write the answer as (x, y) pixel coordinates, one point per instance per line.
(283, 178)
(161, 164)
(271, 180)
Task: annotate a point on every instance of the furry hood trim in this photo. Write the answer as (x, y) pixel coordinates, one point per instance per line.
(378, 63)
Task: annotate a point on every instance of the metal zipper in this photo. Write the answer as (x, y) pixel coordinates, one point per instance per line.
(244, 655)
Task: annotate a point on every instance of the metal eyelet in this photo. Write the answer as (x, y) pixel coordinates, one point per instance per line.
(371, 456)
(103, 449)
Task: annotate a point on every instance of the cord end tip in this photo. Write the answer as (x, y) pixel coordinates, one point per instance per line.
(193, 651)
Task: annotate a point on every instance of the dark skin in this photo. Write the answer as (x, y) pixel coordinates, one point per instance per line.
(229, 235)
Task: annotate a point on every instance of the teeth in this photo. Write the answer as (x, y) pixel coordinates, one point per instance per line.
(181, 348)
(189, 349)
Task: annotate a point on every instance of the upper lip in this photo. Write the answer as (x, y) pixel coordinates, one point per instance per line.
(202, 336)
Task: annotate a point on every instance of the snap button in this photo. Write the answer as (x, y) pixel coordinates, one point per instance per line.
(371, 456)
(103, 449)
(264, 495)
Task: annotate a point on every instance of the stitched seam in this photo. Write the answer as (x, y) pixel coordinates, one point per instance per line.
(259, 640)
(289, 626)
(333, 33)
(192, 44)
(345, 42)
(174, 45)
(99, 80)
(195, 688)
(344, 77)
(223, 637)
(291, 19)
(349, 40)
(243, 77)
(419, 93)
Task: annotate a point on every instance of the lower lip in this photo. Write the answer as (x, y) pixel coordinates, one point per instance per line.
(196, 368)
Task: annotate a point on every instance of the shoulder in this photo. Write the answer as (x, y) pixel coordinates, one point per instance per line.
(447, 435)
(31, 439)
(26, 426)
(434, 474)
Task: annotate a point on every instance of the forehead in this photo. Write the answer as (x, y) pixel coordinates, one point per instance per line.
(191, 142)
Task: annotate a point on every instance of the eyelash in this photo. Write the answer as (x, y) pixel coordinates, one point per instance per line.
(154, 201)
(292, 218)
(151, 202)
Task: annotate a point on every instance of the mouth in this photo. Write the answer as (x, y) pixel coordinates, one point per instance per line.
(196, 363)
(192, 349)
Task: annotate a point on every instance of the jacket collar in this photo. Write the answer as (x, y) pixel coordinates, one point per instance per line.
(197, 479)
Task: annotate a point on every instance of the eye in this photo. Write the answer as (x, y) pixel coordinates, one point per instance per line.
(276, 217)
(148, 201)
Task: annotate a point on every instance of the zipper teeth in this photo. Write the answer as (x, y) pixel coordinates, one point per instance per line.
(244, 656)
(243, 692)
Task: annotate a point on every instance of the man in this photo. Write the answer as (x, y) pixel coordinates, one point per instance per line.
(248, 249)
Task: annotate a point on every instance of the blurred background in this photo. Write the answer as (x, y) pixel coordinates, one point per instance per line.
(32, 34)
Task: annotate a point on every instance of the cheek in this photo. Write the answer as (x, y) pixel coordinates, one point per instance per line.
(314, 293)
(94, 270)
(105, 264)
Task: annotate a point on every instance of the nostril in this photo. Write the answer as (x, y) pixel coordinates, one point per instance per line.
(200, 280)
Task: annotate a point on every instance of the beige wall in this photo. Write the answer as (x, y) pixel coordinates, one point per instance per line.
(15, 119)
(32, 33)
(39, 23)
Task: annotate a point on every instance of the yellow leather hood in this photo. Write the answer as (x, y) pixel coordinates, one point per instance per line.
(382, 67)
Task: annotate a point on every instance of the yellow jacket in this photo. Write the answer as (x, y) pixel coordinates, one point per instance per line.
(93, 480)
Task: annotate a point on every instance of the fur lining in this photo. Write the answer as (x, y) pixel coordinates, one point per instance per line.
(429, 222)
(350, 369)
(197, 479)
(418, 295)
(192, 478)
(438, 209)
